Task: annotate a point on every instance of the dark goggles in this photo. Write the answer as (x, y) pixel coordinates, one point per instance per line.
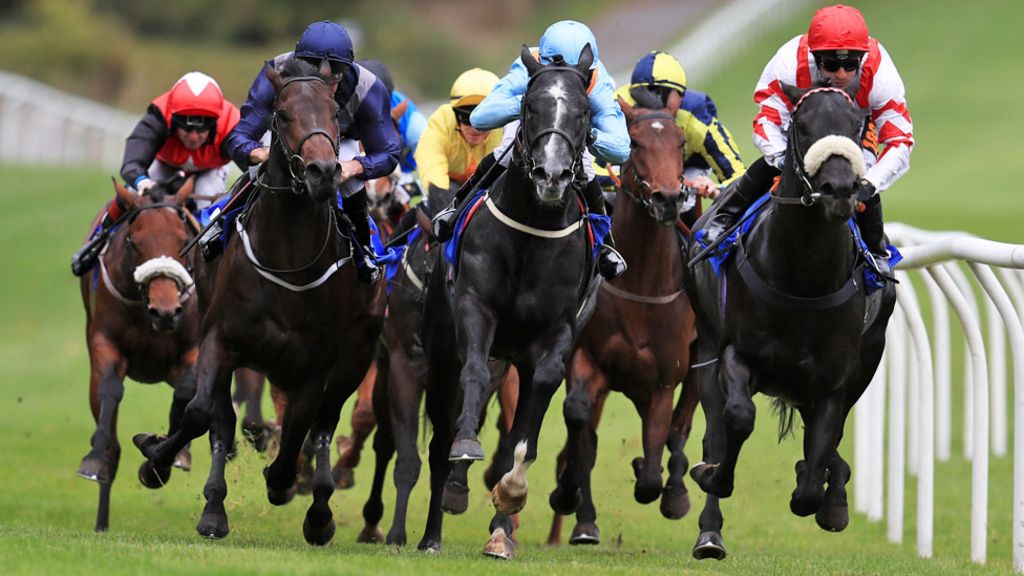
(833, 64)
(194, 123)
(337, 67)
(462, 115)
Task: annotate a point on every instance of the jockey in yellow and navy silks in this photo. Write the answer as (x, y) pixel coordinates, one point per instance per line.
(709, 145)
(365, 118)
(184, 129)
(562, 42)
(836, 48)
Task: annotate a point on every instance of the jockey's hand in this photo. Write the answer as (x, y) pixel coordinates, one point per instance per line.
(143, 185)
(259, 155)
(350, 168)
(863, 190)
(706, 187)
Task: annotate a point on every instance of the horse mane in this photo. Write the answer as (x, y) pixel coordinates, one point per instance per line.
(296, 67)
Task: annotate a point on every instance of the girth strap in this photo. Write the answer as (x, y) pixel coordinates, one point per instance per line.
(773, 296)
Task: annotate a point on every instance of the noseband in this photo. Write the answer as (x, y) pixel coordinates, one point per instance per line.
(809, 197)
(644, 202)
(296, 163)
(525, 143)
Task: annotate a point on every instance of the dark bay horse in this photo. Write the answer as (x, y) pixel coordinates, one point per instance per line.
(520, 291)
(283, 299)
(638, 340)
(402, 382)
(792, 320)
(141, 323)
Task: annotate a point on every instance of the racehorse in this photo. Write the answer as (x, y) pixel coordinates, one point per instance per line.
(141, 322)
(639, 338)
(520, 290)
(396, 401)
(792, 319)
(283, 299)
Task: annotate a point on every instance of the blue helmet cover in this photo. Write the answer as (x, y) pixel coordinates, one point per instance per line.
(325, 39)
(567, 38)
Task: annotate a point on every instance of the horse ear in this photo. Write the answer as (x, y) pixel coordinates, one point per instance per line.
(675, 100)
(274, 76)
(186, 190)
(128, 198)
(531, 63)
(792, 92)
(626, 108)
(325, 69)
(586, 59)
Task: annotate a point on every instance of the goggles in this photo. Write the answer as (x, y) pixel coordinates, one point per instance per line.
(462, 115)
(194, 123)
(337, 67)
(832, 63)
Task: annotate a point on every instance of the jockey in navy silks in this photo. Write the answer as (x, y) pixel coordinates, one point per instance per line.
(365, 118)
(562, 44)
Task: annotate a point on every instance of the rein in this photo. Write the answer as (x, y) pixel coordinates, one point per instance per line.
(525, 144)
(296, 164)
(640, 201)
(809, 197)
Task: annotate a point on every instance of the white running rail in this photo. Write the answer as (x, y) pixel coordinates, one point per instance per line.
(916, 374)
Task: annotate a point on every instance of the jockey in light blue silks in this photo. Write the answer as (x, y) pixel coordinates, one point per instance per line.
(561, 43)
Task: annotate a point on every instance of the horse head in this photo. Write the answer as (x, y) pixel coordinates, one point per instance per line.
(306, 128)
(554, 124)
(653, 175)
(157, 232)
(823, 146)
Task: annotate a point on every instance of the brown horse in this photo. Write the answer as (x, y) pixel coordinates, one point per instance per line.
(284, 299)
(638, 340)
(141, 322)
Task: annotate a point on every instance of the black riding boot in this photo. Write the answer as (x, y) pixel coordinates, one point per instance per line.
(872, 231)
(738, 196)
(485, 175)
(210, 245)
(356, 210)
(85, 257)
(610, 263)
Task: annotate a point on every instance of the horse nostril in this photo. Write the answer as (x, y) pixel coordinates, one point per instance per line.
(828, 189)
(178, 313)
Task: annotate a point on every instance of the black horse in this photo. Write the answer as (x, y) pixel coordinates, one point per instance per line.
(283, 299)
(795, 322)
(520, 292)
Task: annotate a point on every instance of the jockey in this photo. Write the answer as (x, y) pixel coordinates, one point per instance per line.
(841, 50)
(709, 146)
(365, 117)
(183, 129)
(609, 140)
(408, 120)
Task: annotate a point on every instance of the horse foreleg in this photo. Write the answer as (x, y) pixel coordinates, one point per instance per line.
(675, 499)
(822, 429)
(106, 388)
(656, 415)
(280, 474)
(318, 526)
(737, 420)
(350, 448)
(403, 410)
(249, 386)
(475, 335)
(184, 381)
(586, 530)
(214, 521)
(576, 410)
(439, 411)
(709, 542)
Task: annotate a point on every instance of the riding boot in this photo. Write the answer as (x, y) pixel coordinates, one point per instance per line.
(485, 175)
(872, 231)
(210, 245)
(738, 196)
(85, 257)
(356, 210)
(610, 263)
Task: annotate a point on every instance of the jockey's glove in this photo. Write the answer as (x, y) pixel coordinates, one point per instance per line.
(863, 190)
(143, 184)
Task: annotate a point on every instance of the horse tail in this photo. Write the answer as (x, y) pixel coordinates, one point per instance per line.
(786, 413)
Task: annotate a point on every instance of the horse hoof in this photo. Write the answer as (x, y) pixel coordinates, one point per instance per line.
(565, 502)
(455, 499)
(499, 546)
(466, 449)
(94, 469)
(183, 460)
(213, 526)
(318, 536)
(833, 518)
(705, 475)
(675, 502)
(429, 546)
(807, 505)
(344, 477)
(152, 477)
(709, 545)
(370, 535)
(280, 497)
(148, 443)
(258, 434)
(585, 533)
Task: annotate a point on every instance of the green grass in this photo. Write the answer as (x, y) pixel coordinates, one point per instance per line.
(953, 64)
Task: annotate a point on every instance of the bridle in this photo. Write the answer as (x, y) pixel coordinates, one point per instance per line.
(179, 276)
(644, 201)
(524, 143)
(296, 163)
(808, 197)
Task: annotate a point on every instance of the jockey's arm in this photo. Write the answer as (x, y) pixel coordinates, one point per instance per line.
(892, 120)
(502, 105)
(142, 145)
(773, 115)
(608, 123)
(374, 128)
(254, 122)
(706, 136)
(432, 152)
